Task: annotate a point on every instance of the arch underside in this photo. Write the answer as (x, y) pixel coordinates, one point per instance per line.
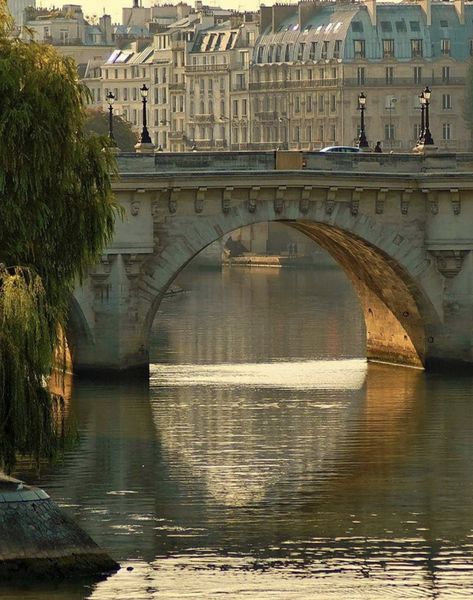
(395, 330)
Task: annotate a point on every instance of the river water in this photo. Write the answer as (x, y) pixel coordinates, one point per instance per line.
(266, 459)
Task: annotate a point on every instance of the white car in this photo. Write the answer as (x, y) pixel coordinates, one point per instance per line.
(340, 149)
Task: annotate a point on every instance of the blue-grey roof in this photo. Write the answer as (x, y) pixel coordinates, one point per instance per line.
(332, 31)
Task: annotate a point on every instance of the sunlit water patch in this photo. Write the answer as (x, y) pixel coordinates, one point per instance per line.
(310, 374)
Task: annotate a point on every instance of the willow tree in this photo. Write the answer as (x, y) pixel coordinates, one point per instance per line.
(56, 213)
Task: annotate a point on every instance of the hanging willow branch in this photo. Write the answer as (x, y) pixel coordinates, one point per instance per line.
(56, 214)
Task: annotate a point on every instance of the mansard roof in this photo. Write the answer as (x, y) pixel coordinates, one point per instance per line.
(332, 28)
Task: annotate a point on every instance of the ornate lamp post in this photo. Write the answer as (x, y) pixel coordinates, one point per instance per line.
(427, 137)
(145, 138)
(362, 141)
(422, 118)
(110, 101)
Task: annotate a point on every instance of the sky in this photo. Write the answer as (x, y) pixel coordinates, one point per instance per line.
(114, 7)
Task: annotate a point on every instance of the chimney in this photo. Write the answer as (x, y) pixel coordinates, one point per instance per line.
(460, 8)
(106, 27)
(426, 7)
(266, 17)
(371, 6)
(307, 10)
(135, 4)
(280, 13)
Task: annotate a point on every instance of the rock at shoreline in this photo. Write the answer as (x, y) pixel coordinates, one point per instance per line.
(38, 540)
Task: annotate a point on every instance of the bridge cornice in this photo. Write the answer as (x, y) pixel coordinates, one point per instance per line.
(193, 180)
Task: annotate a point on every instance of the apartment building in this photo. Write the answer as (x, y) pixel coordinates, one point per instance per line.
(312, 60)
(217, 89)
(290, 76)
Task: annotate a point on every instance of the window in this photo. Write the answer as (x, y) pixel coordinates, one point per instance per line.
(278, 53)
(471, 47)
(300, 51)
(401, 26)
(313, 50)
(325, 49)
(259, 57)
(445, 74)
(360, 75)
(389, 133)
(333, 103)
(446, 102)
(357, 26)
(297, 104)
(359, 48)
(389, 73)
(445, 47)
(210, 85)
(270, 53)
(443, 23)
(414, 25)
(244, 107)
(416, 48)
(337, 48)
(309, 133)
(388, 48)
(321, 104)
(308, 104)
(446, 131)
(288, 53)
(417, 74)
(386, 26)
(235, 108)
(125, 94)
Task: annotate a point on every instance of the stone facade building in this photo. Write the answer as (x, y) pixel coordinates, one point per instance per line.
(291, 75)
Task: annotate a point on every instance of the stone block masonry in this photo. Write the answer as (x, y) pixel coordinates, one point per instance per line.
(38, 540)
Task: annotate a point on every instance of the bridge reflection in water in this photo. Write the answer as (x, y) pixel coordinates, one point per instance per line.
(277, 474)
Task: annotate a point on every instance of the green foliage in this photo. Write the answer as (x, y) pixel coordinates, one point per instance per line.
(56, 213)
(98, 122)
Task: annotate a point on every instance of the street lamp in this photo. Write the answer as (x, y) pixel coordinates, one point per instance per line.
(110, 101)
(284, 120)
(362, 141)
(422, 118)
(391, 107)
(145, 138)
(427, 137)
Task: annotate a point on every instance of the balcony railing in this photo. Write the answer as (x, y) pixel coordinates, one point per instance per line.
(289, 85)
(203, 118)
(177, 87)
(401, 81)
(176, 135)
(206, 68)
(267, 115)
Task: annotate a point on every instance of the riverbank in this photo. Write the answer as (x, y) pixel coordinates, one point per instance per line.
(277, 261)
(38, 540)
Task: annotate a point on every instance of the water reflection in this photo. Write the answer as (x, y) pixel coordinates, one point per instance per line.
(250, 469)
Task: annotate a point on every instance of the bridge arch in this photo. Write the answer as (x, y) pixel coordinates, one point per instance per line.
(391, 273)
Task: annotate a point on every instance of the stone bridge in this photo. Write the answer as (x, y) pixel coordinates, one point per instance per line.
(400, 226)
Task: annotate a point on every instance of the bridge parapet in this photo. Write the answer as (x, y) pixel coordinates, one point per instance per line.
(166, 162)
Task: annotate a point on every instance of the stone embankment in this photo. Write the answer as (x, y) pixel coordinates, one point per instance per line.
(37, 539)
